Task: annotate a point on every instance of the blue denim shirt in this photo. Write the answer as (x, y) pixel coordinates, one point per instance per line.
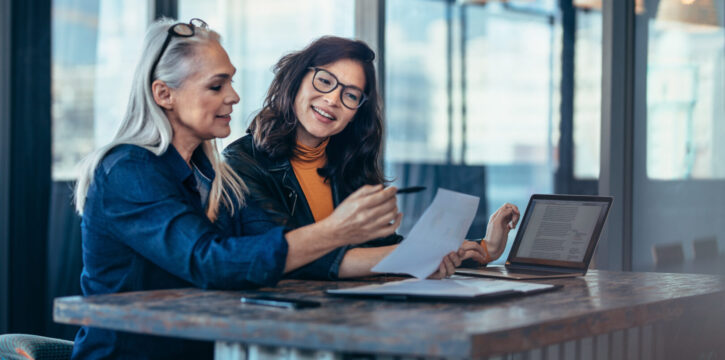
(144, 228)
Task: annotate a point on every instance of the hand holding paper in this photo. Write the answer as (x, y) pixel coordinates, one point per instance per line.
(440, 230)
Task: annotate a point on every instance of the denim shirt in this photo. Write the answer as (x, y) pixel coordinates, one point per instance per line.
(144, 228)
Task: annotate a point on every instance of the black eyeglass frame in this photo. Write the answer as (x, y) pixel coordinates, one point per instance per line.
(338, 83)
(174, 30)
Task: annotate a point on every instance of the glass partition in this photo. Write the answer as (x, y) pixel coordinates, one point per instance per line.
(679, 156)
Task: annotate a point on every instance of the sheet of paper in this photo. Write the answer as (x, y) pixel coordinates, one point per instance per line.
(455, 287)
(440, 230)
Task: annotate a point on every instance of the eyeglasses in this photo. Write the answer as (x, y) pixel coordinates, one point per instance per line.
(325, 82)
(180, 30)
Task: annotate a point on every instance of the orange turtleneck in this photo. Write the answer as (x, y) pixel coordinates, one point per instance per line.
(305, 162)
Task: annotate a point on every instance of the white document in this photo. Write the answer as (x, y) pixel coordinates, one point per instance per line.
(440, 230)
(455, 287)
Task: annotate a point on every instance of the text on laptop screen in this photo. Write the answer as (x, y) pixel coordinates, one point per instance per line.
(560, 230)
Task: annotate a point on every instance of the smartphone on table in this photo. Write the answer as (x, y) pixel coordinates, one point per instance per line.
(279, 302)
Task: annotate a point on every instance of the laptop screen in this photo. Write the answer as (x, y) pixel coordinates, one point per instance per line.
(560, 230)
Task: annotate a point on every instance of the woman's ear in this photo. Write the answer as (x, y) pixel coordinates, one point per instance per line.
(162, 94)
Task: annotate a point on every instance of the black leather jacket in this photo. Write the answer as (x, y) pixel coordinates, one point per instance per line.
(274, 187)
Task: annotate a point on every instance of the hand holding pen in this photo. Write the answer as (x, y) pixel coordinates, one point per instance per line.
(368, 213)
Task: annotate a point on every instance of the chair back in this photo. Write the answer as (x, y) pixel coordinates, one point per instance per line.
(705, 248)
(668, 254)
(25, 346)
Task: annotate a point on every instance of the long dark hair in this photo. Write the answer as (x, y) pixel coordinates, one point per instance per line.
(353, 154)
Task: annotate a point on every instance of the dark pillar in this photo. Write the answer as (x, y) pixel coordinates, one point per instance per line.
(565, 172)
(28, 166)
(5, 30)
(166, 8)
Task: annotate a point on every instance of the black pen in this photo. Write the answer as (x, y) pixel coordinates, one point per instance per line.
(410, 190)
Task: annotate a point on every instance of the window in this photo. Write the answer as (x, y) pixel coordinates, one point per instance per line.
(686, 91)
(95, 48)
(510, 60)
(416, 79)
(587, 93)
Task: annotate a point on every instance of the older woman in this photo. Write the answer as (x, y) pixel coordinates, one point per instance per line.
(316, 140)
(160, 210)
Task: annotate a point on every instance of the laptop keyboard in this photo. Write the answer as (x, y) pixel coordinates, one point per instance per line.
(531, 272)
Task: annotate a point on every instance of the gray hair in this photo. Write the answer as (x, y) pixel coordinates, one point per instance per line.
(146, 125)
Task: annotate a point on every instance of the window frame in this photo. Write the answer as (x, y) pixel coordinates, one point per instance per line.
(564, 180)
(617, 150)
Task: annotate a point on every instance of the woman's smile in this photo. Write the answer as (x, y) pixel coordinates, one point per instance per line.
(323, 115)
(227, 117)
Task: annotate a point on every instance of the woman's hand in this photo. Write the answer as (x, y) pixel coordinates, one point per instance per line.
(369, 213)
(472, 250)
(499, 225)
(447, 266)
(468, 250)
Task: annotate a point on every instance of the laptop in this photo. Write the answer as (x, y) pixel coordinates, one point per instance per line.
(556, 238)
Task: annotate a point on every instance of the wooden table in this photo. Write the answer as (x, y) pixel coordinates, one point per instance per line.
(660, 316)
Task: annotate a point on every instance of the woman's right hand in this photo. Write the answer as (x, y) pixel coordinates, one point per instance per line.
(370, 212)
